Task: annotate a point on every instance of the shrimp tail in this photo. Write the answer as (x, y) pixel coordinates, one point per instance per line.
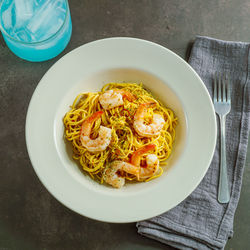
(128, 96)
(136, 156)
(94, 117)
(150, 104)
(87, 124)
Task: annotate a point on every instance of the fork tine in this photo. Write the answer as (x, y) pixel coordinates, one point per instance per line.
(219, 88)
(223, 82)
(228, 89)
(215, 89)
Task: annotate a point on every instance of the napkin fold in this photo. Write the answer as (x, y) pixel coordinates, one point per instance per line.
(200, 222)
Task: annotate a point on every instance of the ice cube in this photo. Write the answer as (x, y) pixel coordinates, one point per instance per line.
(54, 28)
(41, 17)
(24, 10)
(6, 20)
(7, 17)
(47, 20)
(23, 35)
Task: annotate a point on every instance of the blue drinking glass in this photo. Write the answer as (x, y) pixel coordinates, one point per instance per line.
(35, 30)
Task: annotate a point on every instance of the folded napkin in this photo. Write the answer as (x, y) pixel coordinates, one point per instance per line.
(200, 222)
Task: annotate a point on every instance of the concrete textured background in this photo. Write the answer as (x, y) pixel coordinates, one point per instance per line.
(30, 218)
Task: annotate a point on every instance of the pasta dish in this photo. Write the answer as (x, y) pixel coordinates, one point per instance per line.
(120, 134)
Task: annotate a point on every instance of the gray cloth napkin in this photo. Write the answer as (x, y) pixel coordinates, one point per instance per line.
(200, 222)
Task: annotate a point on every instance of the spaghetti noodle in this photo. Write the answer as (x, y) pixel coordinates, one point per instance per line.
(124, 139)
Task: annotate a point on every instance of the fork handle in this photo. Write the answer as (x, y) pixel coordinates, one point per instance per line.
(223, 193)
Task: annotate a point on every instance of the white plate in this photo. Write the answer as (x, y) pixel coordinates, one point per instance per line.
(87, 68)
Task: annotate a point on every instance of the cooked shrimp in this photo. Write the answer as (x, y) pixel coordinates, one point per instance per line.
(104, 135)
(111, 174)
(152, 162)
(152, 129)
(114, 98)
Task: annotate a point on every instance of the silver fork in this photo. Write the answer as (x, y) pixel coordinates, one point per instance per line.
(222, 106)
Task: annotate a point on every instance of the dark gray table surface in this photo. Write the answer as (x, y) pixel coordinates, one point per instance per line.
(30, 218)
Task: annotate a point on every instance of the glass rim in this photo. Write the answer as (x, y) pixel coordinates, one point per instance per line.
(39, 42)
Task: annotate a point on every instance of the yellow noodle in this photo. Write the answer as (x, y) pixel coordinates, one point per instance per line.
(125, 140)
